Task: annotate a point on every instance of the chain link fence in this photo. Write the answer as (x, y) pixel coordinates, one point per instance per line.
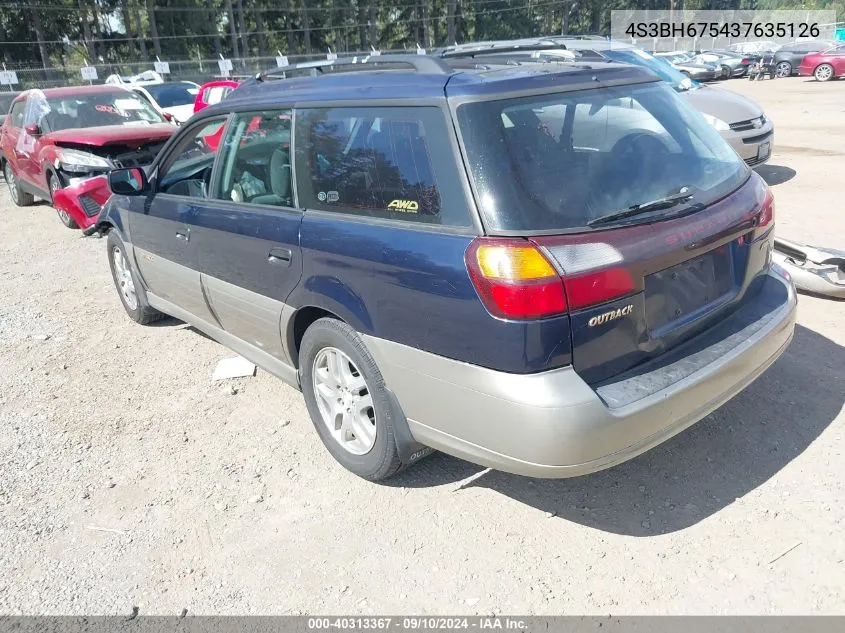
(196, 70)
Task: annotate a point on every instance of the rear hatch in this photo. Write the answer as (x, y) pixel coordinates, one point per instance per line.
(656, 227)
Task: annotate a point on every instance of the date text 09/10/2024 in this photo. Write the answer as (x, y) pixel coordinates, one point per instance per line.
(416, 623)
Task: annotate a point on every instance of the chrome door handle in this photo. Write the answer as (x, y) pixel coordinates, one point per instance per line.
(183, 235)
(280, 256)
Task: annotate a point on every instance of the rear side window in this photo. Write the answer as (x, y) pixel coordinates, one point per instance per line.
(391, 163)
(16, 114)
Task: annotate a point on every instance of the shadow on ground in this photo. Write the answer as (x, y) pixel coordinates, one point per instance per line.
(700, 471)
(776, 174)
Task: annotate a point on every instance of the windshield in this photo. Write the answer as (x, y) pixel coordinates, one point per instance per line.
(173, 94)
(119, 107)
(556, 162)
(660, 67)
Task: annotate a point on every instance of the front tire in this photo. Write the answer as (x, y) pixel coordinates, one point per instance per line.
(130, 291)
(20, 197)
(55, 184)
(824, 72)
(347, 400)
(783, 69)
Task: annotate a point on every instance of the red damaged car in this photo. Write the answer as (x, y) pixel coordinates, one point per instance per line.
(58, 144)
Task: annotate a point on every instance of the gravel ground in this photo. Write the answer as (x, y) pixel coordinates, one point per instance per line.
(129, 478)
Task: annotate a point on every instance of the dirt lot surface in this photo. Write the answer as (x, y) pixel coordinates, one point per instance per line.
(129, 478)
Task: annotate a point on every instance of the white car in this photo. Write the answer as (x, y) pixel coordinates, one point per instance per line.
(174, 99)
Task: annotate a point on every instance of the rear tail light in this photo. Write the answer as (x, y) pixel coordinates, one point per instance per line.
(514, 280)
(745, 60)
(767, 213)
(521, 279)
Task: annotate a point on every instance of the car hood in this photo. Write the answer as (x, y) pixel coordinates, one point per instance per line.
(113, 134)
(728, 106)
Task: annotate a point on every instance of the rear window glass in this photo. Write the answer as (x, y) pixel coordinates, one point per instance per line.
(391, 163)
(556, 162)
(169, 95)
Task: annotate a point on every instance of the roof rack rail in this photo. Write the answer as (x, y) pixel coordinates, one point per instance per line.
(419, 63)
(495, 49)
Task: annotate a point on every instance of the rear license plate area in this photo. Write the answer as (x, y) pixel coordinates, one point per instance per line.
(688, 290)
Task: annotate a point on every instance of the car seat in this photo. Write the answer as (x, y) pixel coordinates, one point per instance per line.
(279, 169)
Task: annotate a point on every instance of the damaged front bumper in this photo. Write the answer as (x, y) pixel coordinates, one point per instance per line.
(83, 199)
(819, 271)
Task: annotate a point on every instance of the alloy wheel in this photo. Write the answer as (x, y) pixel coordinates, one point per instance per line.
(824, 72)
(123, 277)
(54, 187)
(783, 69)
(344, 401)
(13, 185)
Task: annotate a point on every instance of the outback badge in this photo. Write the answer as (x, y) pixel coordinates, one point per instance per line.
(610, 316)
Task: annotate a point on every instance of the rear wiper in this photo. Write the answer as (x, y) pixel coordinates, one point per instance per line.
(667, 202)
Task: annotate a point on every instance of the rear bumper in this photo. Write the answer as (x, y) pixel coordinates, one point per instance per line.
(552, 424)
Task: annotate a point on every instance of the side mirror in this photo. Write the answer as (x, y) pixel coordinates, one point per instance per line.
(32, 129)
(128, 182)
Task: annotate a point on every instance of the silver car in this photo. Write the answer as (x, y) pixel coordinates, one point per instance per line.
(740, 121)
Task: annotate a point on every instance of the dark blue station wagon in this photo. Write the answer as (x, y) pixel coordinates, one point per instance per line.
(543, 268)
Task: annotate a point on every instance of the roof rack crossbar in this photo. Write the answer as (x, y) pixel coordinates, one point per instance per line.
(418, 63)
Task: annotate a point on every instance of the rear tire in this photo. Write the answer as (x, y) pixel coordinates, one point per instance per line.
(129, 289)
(824, 72)
(347, 400)
(20, 197)
(54, 184)
(783, 69)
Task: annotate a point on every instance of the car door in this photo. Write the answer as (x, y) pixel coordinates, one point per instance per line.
(248, 235)
(837, 60)
(164, 245)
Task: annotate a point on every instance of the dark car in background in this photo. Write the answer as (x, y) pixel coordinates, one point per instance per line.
(737, 63)
(789, 57)
(542, 267)
(62, 137)
(699, 71)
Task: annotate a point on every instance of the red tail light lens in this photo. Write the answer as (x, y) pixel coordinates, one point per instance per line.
(745, 60)
(598, 287)
(514, 280)
(767, 213)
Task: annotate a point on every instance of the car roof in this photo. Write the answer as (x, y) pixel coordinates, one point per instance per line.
(465, 78)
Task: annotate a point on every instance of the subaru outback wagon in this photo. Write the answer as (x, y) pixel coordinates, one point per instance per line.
(542, 268)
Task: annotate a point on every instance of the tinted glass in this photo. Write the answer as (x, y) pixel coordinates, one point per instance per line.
(378, 162)
(660, 67)
(255, 159)
(556, 162)
(187, 169)
(120, 107)
(168, 95)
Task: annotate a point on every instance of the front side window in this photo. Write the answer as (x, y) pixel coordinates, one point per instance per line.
(561, 161)
(187, 169)
(16, 114)
(390, 163)
(255, 159)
